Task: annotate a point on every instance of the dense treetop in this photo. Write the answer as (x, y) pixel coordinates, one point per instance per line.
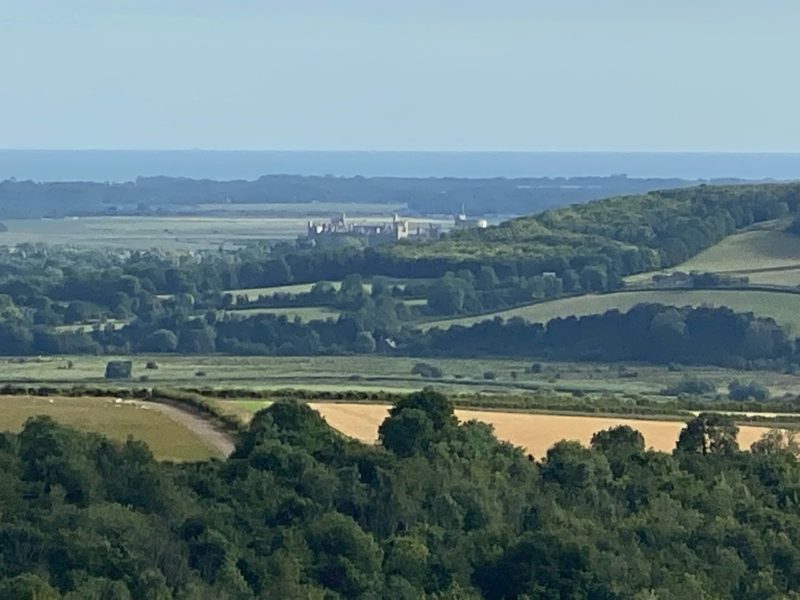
(438, 510)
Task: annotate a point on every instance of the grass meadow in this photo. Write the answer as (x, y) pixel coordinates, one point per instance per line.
(765, 253)
(783, 307)
(167, 439)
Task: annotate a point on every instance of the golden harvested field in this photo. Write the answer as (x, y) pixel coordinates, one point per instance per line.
(534, 432)
(168, 439)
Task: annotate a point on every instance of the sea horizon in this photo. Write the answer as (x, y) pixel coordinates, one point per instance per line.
(127, 165)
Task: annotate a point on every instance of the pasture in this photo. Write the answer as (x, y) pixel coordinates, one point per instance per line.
(374, 373)
(168, 439)
(783, 307)
(789, 276)
(752, 249)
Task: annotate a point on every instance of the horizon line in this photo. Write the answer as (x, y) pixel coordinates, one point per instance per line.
(396, 151)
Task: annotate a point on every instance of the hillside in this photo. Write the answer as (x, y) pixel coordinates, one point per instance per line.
(765, 253)
(783, 307)
(92, 302)
(658, 221)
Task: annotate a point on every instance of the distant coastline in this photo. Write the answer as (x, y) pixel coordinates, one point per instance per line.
(127, 165)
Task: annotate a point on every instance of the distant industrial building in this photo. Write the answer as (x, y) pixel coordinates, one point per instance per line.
(462, 221)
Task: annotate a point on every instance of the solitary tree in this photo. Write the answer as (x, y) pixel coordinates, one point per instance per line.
(709, 433)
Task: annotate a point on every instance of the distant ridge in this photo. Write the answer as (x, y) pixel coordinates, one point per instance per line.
(127, 165)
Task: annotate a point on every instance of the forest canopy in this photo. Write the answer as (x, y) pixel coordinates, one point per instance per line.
(438, 510)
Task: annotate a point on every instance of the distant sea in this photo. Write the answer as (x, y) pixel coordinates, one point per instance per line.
(127, 165)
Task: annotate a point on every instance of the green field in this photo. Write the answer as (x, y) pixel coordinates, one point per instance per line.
(256, 293)
(374, 373)
(753, 249)
(297, 288)
(167, 439)
(92, 325)
(764, 253)
(784, 307)
(789, 276)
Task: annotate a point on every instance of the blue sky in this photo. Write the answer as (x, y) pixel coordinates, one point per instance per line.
(620, 75)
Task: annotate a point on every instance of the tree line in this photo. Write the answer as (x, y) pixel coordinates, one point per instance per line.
(647, 332)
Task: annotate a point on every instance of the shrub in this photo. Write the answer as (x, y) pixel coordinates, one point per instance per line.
(151, 364)
(427, 370)
(490, 375)
(747, 391)
(200, 374)
(119, 369)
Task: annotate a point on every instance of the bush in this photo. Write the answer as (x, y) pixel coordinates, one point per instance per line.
(151, 364)
(427, 370)
(535, 368)
(490, 375)
(747, 391)
(200, 374)
(119, 369)
(162, 340)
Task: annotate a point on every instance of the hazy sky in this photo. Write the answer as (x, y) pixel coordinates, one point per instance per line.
(401, 74)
